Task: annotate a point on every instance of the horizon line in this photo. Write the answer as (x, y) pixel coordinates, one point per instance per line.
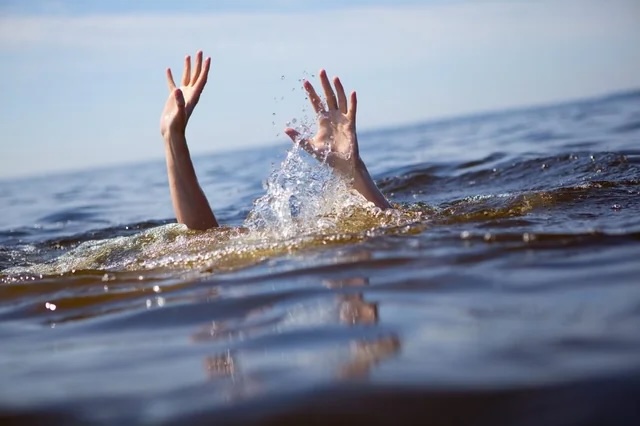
(607, 96)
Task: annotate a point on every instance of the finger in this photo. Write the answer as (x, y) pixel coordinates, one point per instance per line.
(342, 98)
(351, 113)
(186, 73)
(292, 133)
(332, 103)
(304, 143)
(196, 72)
(316, 102)
(202, 78)
(170, 82)
(179, 97)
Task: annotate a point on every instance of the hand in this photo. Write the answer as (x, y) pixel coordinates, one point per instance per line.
(182, 101)
(336, 141)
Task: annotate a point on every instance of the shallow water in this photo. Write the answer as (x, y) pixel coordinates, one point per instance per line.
(504, 289)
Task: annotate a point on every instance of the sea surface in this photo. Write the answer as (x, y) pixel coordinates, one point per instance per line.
(504, 288)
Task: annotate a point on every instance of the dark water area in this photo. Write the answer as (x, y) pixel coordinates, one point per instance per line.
(503, 289)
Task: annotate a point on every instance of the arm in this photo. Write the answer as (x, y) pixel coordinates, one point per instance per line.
(336, 141)
(189, 202)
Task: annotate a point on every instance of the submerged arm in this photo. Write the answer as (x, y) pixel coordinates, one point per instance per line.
(189, 202)
(336, 140)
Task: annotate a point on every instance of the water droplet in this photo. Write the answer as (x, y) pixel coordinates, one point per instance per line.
(282, 77)
(273, 113)
(294, 121)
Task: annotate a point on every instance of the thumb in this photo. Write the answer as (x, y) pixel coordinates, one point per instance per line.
(297, 139)
(293, 134)
(179, 97)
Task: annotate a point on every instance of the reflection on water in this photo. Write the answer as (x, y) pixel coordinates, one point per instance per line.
(502, 289)
(351, 310)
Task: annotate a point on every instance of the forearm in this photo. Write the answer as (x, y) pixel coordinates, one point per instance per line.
(364, 184)
(189, 202)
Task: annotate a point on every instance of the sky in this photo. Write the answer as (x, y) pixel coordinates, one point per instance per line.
(83, 82)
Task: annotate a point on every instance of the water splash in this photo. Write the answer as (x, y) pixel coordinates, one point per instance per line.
(304, 200)
(302, 195)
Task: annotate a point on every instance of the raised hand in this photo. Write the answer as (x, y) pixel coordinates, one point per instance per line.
(336, 141)
(189, 202)
(182, 101)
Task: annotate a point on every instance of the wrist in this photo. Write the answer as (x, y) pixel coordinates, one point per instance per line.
(175, 145)
(171, 135)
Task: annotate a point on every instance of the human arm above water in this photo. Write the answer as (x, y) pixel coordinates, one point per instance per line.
(336, 140)
(189, 202)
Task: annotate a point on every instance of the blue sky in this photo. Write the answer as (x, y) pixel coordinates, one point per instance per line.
(83, 81)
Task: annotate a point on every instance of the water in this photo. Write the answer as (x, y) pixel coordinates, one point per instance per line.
(504, 289)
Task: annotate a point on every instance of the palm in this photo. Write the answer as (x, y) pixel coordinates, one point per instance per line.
(173, 116)
(335, 130)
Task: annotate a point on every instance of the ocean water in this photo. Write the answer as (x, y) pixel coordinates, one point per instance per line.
(503, 289)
